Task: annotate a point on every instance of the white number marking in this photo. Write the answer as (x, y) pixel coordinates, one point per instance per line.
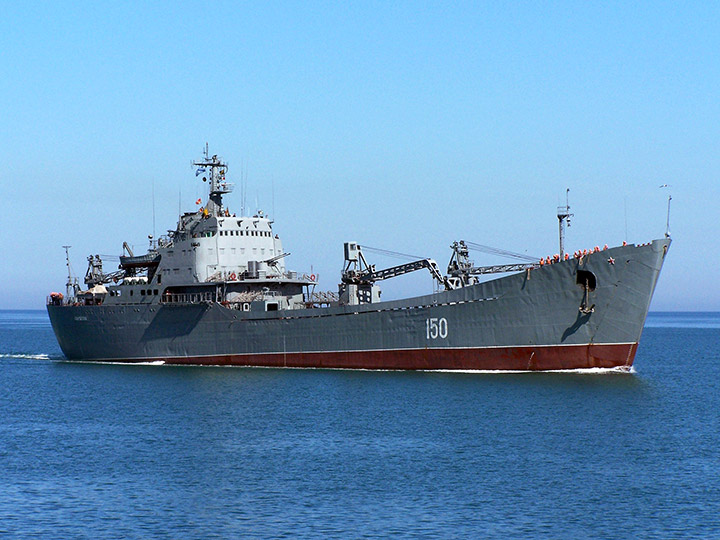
(436, 328)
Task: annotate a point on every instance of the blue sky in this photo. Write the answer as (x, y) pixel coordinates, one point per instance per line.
(401, 125)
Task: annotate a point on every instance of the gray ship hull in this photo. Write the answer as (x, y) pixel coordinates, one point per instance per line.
(527, 321)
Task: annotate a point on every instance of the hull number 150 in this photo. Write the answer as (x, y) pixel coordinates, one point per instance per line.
(436, 328)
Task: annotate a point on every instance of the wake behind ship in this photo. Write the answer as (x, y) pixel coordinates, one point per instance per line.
(216, 291)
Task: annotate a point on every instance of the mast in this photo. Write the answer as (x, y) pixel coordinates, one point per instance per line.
(69, 286)
(214, 169)
(563, 215)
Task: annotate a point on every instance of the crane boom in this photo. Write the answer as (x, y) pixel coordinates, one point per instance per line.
(358, 271)
(499, 268)
(394, 271)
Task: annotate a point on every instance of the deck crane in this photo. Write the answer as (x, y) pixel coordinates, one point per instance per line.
(358, 271)
(96, 276)
(273, 261)
(359, 277)
(462, 271)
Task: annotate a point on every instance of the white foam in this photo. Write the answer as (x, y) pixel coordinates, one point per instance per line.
(582, 371)
(111, 363)
(597, 371)
(27, 356)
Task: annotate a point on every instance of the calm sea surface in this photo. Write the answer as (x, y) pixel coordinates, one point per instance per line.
(113, 451)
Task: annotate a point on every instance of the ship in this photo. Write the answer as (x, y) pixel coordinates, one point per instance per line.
(216, 291)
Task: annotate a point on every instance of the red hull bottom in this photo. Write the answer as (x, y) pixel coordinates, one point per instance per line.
(485, 359)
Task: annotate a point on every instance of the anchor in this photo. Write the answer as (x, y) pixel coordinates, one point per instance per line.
(586, 299)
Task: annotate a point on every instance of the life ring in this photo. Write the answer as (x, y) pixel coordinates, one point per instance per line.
(233, 277)
(312, 277)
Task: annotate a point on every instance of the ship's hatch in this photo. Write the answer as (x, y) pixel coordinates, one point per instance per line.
(585, 278)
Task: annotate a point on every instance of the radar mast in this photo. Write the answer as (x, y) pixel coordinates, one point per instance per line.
(213, 169)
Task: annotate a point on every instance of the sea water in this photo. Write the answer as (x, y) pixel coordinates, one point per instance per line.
(152, 451)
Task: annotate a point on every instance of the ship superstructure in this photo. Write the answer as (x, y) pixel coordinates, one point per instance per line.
(216, 290)
(212, 255)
